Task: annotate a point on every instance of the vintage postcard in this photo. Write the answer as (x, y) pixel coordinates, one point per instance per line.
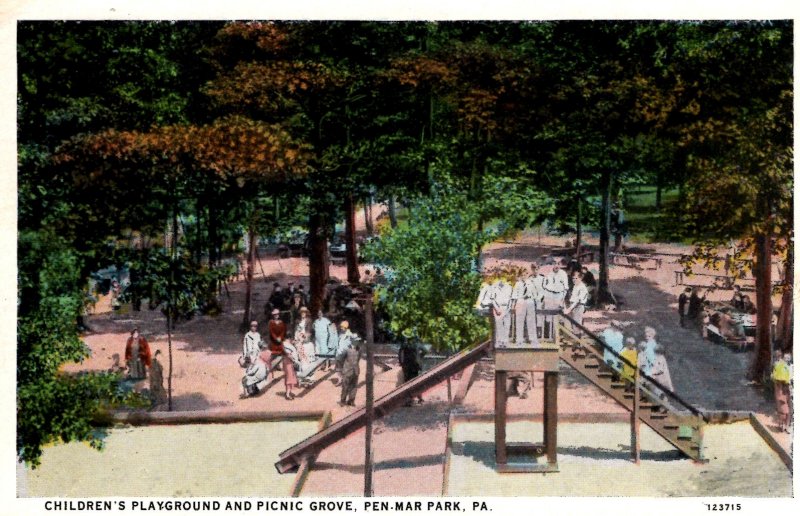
(433, 263)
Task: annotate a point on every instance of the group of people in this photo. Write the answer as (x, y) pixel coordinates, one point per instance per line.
(648, 356)
(304, 344)
(513, 298)
(141, 363)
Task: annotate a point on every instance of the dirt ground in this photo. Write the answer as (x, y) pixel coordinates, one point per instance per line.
(409, 443)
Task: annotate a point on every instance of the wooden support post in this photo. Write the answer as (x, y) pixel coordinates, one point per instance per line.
(500, 417)
(635, 450)
(551, 415)
(370, 407)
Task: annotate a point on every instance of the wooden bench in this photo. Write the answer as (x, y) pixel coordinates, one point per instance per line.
(635, 260)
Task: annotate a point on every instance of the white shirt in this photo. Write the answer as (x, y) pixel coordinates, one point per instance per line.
(483, 296)
(534, 289)
(519, 290)
(500, 296)
(556, 282)
(250, 345)
(580, 295)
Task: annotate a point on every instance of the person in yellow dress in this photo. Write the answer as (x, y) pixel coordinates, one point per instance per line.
(630, 354)
(781, 377)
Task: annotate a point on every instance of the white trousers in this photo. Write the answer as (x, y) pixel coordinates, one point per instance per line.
(525, 318)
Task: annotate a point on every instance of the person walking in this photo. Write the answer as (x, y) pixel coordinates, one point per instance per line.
(409, 357)
(137, 355)
(630, 354)
(350, 372)
(659, 371)
(648, 349)
(613, 338)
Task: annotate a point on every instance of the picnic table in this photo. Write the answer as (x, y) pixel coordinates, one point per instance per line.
(636, 261)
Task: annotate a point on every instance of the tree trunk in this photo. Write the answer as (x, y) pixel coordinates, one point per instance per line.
(213, 256)
(763, 354)
(393, 212)
(251, 263)
(658, 192)
(370, 394)
(317, 261)
(604, 295)
(351, 254)
(171, 306)
(786, 317)
(578, 231)
(368, 216)
(169, 351)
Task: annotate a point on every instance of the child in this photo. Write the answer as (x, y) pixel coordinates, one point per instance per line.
(630, 354)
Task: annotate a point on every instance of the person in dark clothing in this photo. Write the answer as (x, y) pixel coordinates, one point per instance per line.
(410, 358)
(737, 301)
(683, 300)
(276, 301)
(695, 304)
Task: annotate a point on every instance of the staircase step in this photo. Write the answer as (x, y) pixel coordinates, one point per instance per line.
(605, 374)
(591, 365)
(617, 385)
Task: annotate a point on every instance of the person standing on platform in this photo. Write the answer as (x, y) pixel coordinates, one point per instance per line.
(591, 284)
(524, 302)
(500, 296)
(660, 373)
(555, 285)
(578, 298)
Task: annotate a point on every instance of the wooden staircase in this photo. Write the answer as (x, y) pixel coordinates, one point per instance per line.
(672, 418)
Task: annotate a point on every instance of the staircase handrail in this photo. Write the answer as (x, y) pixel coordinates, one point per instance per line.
(642, 375)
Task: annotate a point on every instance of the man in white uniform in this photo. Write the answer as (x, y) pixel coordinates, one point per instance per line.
(555, 287)
(500, 296)
(524, 298)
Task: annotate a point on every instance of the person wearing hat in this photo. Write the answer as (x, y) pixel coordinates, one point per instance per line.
(277, 334)
(350, 371)
(302, 337)
(251, 343)
(346, 338)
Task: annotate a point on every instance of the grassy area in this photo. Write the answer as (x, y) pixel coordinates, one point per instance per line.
(647, 224)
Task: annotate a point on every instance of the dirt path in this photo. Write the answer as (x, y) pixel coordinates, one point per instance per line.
(409, 444)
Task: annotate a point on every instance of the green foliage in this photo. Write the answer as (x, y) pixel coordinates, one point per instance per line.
(178, 284)
(53, 406)
(431, 273)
